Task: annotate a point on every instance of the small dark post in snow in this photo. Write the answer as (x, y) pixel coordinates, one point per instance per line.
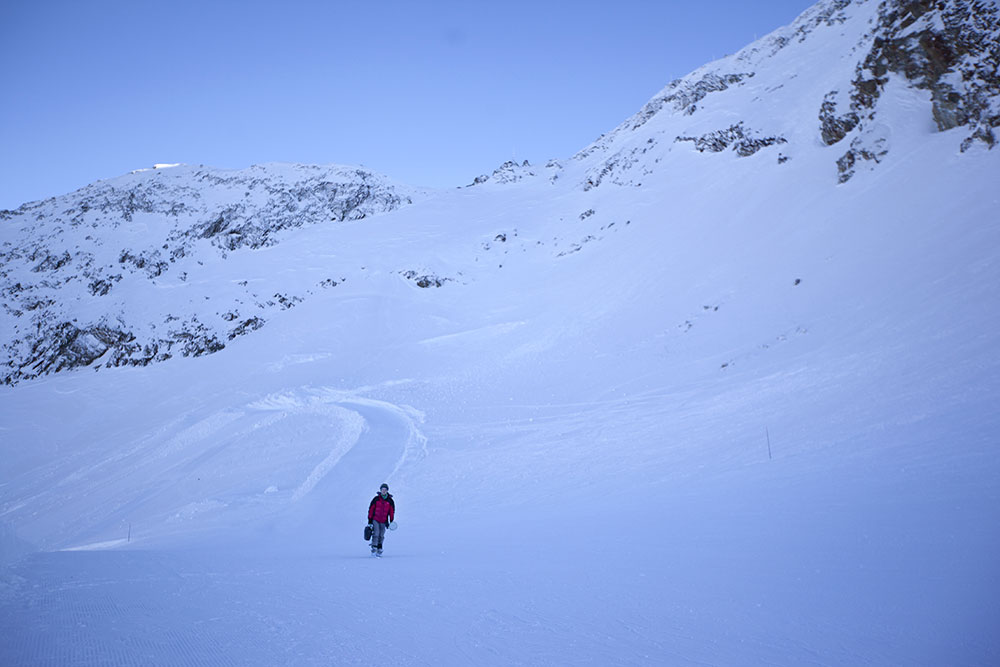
(768, 434)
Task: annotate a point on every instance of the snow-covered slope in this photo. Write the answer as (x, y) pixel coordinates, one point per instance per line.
(153, 235)
(698, 394)
(133, 270)
(823, 79)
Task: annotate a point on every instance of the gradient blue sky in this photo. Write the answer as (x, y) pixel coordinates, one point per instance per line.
(429, 93)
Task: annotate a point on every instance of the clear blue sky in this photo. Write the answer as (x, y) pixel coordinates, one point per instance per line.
(429, 93)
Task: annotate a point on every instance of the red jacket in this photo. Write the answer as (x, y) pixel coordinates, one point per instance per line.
(382, 509)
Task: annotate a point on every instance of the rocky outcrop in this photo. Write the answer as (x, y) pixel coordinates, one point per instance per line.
(65, 346)
(71, 267)
(683, 95)
(424, 279)
(870, 146)
(947, 47)
(508, 172)
(741, 139)
(833, 128)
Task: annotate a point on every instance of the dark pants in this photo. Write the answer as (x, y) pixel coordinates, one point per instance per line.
(378, 534)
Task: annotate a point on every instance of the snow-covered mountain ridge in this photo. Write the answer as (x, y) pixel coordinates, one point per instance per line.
(71, 264)
(832, 63)
(68, 262)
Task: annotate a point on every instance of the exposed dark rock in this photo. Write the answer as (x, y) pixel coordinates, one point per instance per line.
(739, 137)
(424, 280)
(147, 262)
(616, 167)
(67, 346)
(191, 216)
(38, 303)
(947, 47)
(287, 302)
(196, 340)
(833, 128)
(868, 147)
(246, 326)
(577, 247)
(508, 172)
(53, 263)
(683, 95)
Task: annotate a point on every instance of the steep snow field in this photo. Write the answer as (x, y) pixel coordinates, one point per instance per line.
(738, 415)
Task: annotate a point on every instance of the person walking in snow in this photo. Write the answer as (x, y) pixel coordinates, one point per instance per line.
(381, 512)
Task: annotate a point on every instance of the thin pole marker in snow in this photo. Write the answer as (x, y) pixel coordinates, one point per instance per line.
(768, 434)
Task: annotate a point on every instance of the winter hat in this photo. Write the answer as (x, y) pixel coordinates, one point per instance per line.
(384, 486)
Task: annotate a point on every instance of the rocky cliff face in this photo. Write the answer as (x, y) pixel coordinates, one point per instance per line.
(848, 49)
(949, 48)
(74, 267)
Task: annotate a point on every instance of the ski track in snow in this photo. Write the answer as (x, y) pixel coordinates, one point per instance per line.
(351, 423)
(332, 403)
(107, 603)
(284, 429)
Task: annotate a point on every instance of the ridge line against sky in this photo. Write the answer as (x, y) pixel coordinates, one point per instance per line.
(430, 94)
